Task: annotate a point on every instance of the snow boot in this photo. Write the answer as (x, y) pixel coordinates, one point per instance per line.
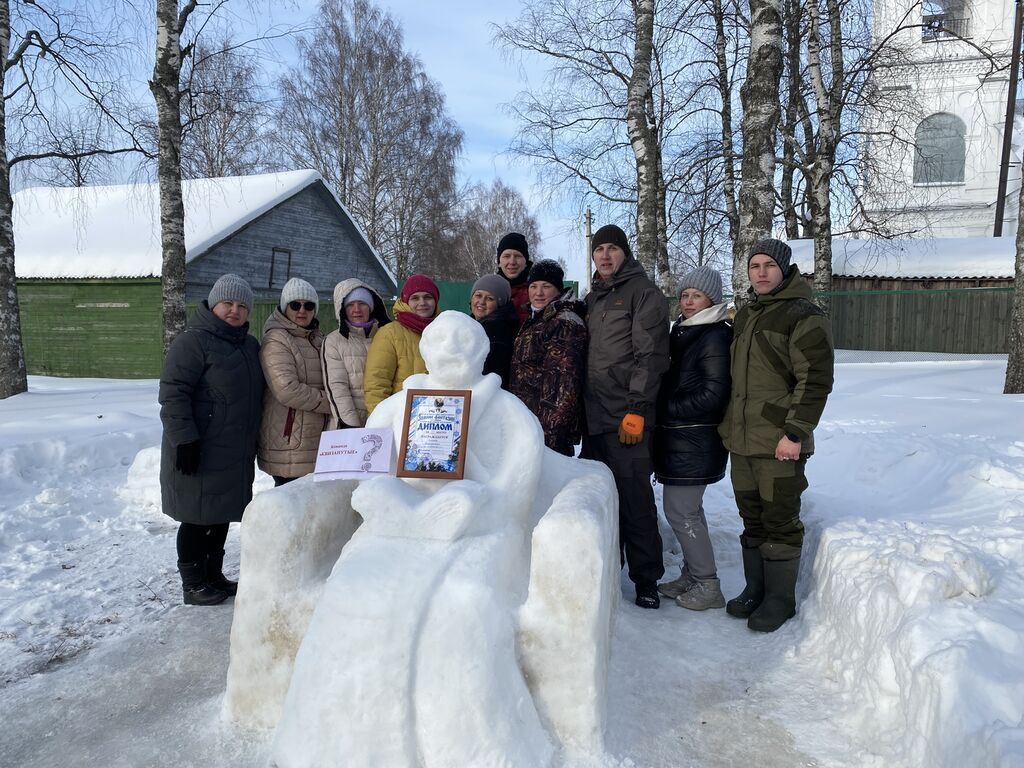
(647, 595)
(779, 602)
(215, 574)
(195, 590)
(747, 601)
(673, 589)
(704, 594)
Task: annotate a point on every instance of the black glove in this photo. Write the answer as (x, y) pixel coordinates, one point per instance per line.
(186, 458)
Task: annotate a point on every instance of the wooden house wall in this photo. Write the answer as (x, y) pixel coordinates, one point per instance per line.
(324, 249)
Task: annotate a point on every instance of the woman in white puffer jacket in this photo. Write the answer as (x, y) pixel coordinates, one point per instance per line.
(360, 312)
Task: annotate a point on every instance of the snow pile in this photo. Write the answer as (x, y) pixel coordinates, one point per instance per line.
(906, 623)
(141, 491)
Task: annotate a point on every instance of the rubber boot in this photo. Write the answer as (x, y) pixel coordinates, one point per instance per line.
(779, 604)
(673, 589)
(215, 574)
(746, 602)
(195, 590)
(647, 595)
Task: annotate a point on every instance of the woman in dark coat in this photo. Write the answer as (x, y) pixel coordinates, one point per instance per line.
(491, 306)
(688, 452)
(211, 398)
(550, 356)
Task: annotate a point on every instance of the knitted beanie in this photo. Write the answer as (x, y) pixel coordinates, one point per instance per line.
(516, 242)
(776, 249)
(230, 287)
(359, 294)
(419, 284)
(549, 271)
(705, 279)
(298, 289)
(496, 285)
(609, 233)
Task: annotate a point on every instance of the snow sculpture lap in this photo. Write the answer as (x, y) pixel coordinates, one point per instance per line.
(451, 591)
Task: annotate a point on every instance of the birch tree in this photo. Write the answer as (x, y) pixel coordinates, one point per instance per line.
(165, 86)
(1014, 384)
(13, 375)
(761, 109)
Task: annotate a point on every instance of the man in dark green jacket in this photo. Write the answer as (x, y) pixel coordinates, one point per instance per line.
(781, 367)
(627, 319)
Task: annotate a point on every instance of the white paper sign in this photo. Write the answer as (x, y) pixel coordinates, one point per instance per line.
(354, 454)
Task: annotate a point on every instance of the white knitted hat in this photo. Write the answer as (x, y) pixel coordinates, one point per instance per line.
(298, 289)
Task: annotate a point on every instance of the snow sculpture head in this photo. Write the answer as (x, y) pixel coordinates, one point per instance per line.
(454, 347)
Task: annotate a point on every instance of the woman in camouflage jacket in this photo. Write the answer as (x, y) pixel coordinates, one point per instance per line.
(549, 358)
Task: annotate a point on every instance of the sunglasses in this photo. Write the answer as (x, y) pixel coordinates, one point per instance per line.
(295, 306)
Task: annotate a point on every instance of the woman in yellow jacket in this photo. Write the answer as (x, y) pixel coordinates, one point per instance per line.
(395, 352)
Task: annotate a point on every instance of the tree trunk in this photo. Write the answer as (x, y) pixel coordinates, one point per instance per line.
(651, 248)
(1014, 384)
(12, 354)
(166, 89)
(760, 99)
(790, 119)
(728, 151)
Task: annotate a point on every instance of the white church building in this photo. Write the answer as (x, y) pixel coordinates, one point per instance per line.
(931, 167)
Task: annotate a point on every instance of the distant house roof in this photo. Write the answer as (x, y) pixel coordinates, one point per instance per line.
(96, 232)
(923, 259)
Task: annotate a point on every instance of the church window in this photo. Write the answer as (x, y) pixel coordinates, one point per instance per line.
(940, 150)
(944, 20)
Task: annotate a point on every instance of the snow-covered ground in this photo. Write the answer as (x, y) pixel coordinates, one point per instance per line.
(908, 649)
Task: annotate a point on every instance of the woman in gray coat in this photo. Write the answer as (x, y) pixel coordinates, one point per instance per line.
(211, 399)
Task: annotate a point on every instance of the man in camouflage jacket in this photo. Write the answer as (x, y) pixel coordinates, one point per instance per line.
(781, 364)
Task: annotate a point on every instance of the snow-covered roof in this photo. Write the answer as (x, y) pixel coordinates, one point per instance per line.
(924, 259)
(114, 231)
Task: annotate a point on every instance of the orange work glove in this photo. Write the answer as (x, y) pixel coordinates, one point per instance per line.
(631, 430)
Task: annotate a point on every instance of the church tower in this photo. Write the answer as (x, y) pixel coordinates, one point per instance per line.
(931, 162)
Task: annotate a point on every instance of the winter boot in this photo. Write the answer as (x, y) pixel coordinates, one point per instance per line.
(215, 574)
(747, 601)
(195, 590)
(673, 589)
(779, 602)
(647, 595)
(704, 594)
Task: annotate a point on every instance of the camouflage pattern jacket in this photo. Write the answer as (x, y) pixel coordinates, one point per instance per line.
(548, 365)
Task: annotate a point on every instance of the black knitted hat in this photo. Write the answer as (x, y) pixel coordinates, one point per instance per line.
(549, 271)
(609, 233)
(516, 242)
(776, 249)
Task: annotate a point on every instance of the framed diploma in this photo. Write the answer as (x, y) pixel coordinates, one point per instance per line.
(434, 433)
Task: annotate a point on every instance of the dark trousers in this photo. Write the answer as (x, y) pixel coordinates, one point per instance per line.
(195, 542)
(768, 496)
(639, 537)
(279, 481)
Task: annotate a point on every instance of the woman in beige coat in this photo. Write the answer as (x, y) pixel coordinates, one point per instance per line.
(295, 406)
(360, 312)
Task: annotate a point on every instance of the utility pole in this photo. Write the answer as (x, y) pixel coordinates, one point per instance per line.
(590, 236)
(1011, 107)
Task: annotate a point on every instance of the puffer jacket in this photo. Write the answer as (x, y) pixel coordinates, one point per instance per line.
(211, 390)
(343, 358)
(295, 408)
(501, 327)
(394, 356)
(782, 370)
(627, 354)
(548, 365)
(687, 449)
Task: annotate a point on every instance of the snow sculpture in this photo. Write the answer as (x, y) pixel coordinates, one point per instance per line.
(465, 623)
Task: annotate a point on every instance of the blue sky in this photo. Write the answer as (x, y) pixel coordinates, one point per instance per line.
(453, 38)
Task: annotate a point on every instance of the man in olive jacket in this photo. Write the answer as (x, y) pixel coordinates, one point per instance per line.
(781, 364)
(627, 319)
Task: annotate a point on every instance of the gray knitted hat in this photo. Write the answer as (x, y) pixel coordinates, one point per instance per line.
(230, 287)
(705, 279)
(298, 289)
(496, 285)
(778, 250)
